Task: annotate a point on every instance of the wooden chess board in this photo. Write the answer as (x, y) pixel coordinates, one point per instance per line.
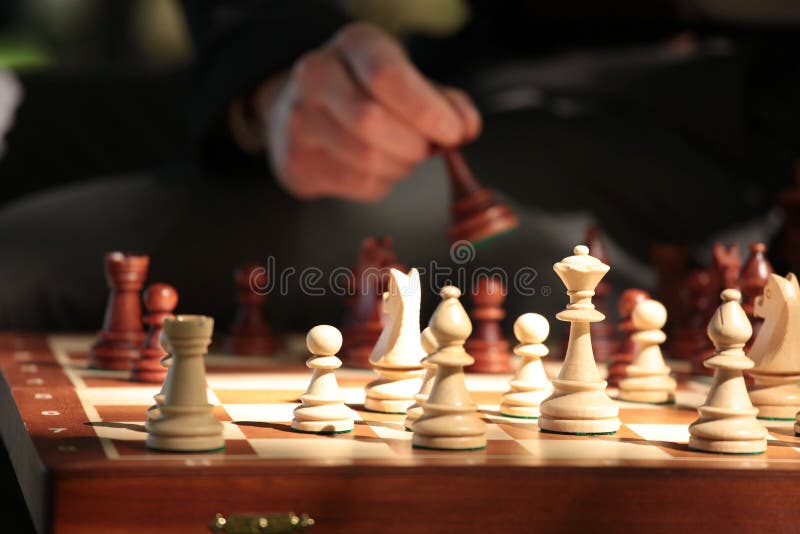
(76, 439)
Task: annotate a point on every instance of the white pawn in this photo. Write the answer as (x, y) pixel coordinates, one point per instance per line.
(184, 420)
(727, 422)
(429, 345)
(530, 386)
(450, 419)
(648, 377)
(323, 410)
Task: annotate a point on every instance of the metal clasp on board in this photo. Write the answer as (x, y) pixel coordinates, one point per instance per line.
(261, 523)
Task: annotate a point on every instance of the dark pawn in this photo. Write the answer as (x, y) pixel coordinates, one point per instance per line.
(604, 339)
(627, 348)
(752, 282)
(476, 214)
(487, 344)
(250, 335)
(362, 324)
(159, 302)
(122, 331)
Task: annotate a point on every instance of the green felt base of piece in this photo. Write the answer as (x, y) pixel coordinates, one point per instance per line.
(579, 433)
(444, 449)
(494, 237)
(777, 418)
(728, 453)
(534, 417)
(218, 449)
(323, 432)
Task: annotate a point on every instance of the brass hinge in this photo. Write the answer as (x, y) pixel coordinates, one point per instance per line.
(261, 523)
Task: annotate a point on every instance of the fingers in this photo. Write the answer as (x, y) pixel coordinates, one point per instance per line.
(320, 130)
(313, 172)
(470, 118)
(382, 68)
(346, 102)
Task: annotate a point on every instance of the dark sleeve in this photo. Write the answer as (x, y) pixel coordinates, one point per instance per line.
(240, 43)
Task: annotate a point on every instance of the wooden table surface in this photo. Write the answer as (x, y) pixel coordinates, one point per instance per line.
(76, 440)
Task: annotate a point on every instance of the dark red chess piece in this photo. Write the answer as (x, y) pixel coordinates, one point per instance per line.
(789, 201)
(362, 324)
(122, 331)
(627, 347)
(724, 274)
(476, 214)
(487, 344)
(671, 263)
(752, 282)
(604, 340)
(689, 335)
(159, 302)
(250, 335)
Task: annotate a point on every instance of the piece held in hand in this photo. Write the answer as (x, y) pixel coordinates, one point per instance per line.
(476, 214)
(647, 378)
(250, 335)
(429, 345)
(159, 301)
(397, 354)
(530, 386)
(727, 422)
(487, 344)
(450, 419)
(185, 421)
(624, 356)
(122, 332)
(776, 350)
(579, 404)
(323, 410)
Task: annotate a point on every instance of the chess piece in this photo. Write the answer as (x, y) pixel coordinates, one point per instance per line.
(624, 356)
(449, 417)
(579, 404)
(647, 378)
(429, 345)
(476, 214)
(752, 281)
(696, 306)
(776, 350)
(789, 201)
(530, 386)
(397, 354)
(250, 335)
(671, 263)
(323, 410)
(159, 301)
(185, 421)
(122, 332)
(362, 324)
(487, 344)
(727, 422)
(724, 272)
(166, 362)
(604, 339)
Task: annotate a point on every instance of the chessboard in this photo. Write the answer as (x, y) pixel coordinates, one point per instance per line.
(76, 438)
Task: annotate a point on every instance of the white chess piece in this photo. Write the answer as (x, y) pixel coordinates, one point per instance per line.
(166, 361)
(323, 410)
(727, 422)
(450, 419)
(185, 421)
(776, 350)
(397, 353)
(579, 404)
(429, 345)
(530, 386)
(648, 377)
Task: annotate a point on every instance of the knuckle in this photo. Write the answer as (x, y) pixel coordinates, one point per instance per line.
(368, 116)
(355, 32)
(308, 68)
(382, 75)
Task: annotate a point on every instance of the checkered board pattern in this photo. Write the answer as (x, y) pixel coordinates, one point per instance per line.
(254, 398)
